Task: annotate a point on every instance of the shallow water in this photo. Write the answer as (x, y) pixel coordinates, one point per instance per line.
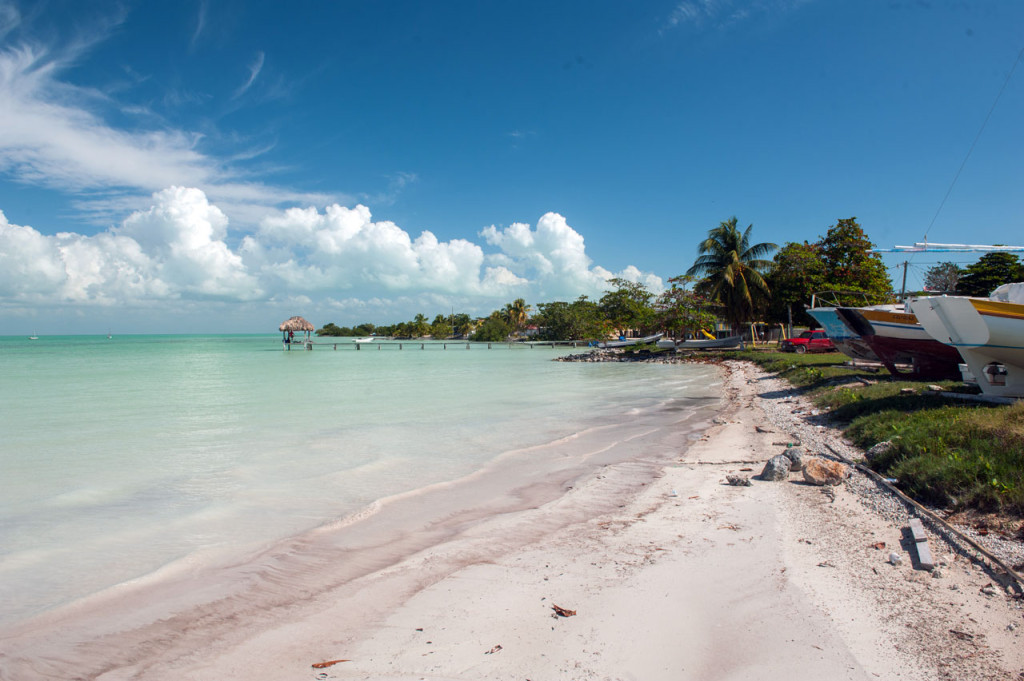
(135, 459)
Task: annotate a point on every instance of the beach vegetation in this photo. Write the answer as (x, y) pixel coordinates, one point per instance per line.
(627, 306)
(732, 270)
(579, 320)
(494, 329)
(679, 310)
(839, 261)
(943, 277)
(516, 314)
(991, 271)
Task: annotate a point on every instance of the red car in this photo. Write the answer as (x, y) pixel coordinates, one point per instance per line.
(808, 341)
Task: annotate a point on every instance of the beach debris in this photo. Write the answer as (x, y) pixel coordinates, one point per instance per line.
(729, 526)
(989, 590)
(895, 558)
(878, 450)
(818, 471)
(762, 429)
(328, 663)
(562, 612)
(878, 545)
(738, 480)
(907, 391)
(962, 635)
(493, 650)
(796, 458)
(745, 470)
(826, 563)
(777, 468)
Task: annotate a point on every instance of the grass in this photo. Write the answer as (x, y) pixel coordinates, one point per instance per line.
(960, 456)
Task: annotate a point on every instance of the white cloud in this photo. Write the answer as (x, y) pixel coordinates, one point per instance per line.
(254, 71)
(53, 136)
(176, 253)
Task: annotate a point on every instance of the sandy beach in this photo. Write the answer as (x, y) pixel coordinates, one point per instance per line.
(684, 577)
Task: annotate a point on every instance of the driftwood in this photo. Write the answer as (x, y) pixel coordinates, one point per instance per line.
(562, 612)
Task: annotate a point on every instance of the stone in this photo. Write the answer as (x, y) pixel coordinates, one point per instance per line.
(738, 480)
(878, 449)
(818, 471)
(777, 468)
(796, 458)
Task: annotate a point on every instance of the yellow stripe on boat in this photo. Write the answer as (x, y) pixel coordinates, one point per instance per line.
(993, 308)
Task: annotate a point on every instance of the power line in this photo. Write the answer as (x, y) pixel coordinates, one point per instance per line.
(975, 142)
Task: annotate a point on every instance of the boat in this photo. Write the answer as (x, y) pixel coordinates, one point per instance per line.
(33, 336)
(701, 343)
(901, 343)
(823, 310)
(626, 342)
(365, 339)
(987, 332)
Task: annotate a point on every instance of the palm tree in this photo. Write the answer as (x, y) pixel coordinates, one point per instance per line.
(516, 314)
(732, 269)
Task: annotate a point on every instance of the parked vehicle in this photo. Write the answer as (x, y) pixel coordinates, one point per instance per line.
(808, 341)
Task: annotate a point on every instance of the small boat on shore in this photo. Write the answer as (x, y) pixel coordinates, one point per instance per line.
(626, 342)
(365, 339)
(701, 343)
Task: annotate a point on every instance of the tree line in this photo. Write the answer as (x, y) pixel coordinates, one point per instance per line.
(732, 280)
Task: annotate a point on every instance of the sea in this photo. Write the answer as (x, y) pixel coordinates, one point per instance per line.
(131, 460)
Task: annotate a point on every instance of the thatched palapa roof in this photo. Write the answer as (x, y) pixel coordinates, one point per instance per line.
(296, 324)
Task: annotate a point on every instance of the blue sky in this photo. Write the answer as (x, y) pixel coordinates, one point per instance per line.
(219, 166)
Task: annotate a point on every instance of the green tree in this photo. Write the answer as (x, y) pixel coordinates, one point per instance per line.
(849, 263)
(990, 272)
(517, 314)
(628, 306)
(419, 326)
(578, 320)
(799, 272)
(680, 310)
(943, 277)
(732, 270)
(493, 329)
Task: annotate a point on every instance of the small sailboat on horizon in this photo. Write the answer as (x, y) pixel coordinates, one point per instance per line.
(33, 336)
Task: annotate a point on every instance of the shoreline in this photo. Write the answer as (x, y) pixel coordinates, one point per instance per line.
(671, 575)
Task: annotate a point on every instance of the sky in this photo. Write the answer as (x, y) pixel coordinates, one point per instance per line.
(221, 165)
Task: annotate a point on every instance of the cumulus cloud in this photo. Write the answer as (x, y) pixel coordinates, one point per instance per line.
(178, 249)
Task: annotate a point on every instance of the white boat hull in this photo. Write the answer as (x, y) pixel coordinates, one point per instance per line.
(988, 334)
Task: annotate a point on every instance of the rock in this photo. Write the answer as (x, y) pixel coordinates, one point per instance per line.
(818, 471)
(989, 590)
(878, 450)
(738, 480)
(777, 468)
(796, 458)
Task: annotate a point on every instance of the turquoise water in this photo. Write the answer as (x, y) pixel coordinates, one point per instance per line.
(123, 457)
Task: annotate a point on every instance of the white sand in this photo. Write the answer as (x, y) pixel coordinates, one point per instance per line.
(688, 578)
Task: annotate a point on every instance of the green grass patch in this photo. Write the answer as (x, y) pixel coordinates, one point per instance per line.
(961, 455)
